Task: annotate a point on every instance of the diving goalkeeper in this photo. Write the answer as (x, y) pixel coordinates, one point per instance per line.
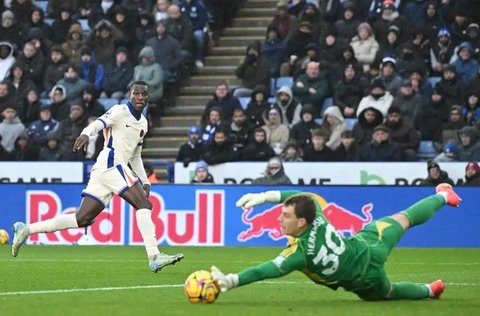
(323, 255)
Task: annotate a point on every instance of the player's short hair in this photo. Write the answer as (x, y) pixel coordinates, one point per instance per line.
(139, 83)
(304, 207)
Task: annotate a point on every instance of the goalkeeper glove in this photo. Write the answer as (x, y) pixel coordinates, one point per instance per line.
(252, 199)
(226, 282)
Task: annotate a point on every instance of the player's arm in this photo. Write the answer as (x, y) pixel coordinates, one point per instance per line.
(96, 126)
(280, 266)
(137, 166)
(252, 199)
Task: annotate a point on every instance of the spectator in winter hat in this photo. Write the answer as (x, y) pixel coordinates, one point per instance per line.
(202, 176)
(435, 175)
(472, 174)
(191, 150)
(470, 144)
(449, 153)
(466, 66)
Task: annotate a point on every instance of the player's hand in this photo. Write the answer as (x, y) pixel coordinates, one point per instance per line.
(252, 199)
(146, 188)
(81, 143)
(226, 282)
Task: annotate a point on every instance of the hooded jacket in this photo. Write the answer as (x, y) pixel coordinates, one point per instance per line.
(336, 129)
(71, 47)
(470, 152)
(362, 130)
(365, 50)
(382, 104)
(254, 72)
(290, 112)
(151, 73)
(9, 132)
(7, 62)
(302, 131)
(93, 72)
(256, 113)
(279, 178)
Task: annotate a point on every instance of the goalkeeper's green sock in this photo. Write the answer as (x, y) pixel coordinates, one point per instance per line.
(409, 291)
(421, 211)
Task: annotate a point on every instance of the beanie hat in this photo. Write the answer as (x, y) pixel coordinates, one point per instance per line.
(381, 127)
(443, 31)
(194, 130)
(450, 148)
(86, 51)
(201, 165)
(394, 109)
(474, 165)
(389, 59)
(377, 83)
(394, 29)
(432, 164)
(389, 4)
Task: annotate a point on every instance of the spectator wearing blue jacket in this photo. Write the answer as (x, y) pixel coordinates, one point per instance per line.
(90, 70)
(118, 75)
(466, 66)
(273, 49)
(196, 12)
(41, 129)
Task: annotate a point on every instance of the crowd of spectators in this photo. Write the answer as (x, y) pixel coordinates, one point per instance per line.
(398, 72)
(59, 59)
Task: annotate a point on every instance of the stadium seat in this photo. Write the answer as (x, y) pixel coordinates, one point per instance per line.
(426, 150)
(272, 100)
(49, 21)
(350, 123)
(123, 101)
(85, 26)
(283, 81)
(433, 80)
(319, 121)
(42, 5)
(328, 102)
(107, 103)
(244, 102)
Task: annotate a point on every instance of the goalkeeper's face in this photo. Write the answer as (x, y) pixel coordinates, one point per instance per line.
(290, 223)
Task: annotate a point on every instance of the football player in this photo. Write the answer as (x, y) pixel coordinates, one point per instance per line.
(323, 255)
(124, 128)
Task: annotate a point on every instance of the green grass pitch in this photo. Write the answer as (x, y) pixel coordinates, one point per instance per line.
(93, 280)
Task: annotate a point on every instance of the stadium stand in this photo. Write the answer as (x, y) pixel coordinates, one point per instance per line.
(426, 150)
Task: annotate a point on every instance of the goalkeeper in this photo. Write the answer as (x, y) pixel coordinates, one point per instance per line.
(355, 263)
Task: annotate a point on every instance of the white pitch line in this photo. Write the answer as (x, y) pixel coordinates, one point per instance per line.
(230, 261)
(160, 286)
(94, 289)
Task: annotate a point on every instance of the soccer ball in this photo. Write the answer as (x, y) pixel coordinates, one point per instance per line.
(4, 237)
(201, 288)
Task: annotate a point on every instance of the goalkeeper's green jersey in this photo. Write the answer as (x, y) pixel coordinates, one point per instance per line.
(321, 253)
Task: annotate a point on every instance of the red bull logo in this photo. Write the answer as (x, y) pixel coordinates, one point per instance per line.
(267, 221)
(203, 225)
(345, 221)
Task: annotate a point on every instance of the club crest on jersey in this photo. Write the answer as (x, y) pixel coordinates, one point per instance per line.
(142, 132)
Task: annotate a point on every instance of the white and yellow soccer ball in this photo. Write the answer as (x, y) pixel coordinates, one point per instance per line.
(201, 288)
(4, 237)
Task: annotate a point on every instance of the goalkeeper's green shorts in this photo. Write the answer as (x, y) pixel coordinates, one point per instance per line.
(381, 235)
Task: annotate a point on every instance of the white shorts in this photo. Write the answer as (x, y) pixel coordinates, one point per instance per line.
(104, 183)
